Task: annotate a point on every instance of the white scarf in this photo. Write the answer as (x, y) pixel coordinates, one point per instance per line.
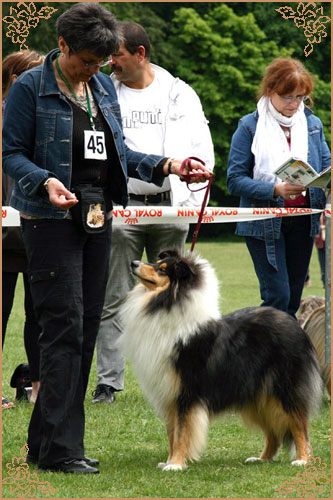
(270, 147)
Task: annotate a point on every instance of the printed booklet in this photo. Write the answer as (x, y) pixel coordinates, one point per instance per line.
(299, 172)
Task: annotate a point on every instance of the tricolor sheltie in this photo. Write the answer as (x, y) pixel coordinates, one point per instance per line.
(193, 365)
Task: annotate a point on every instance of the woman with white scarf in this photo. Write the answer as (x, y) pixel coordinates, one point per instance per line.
(282, 127)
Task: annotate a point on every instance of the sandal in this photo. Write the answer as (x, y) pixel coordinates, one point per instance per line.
(6, 403)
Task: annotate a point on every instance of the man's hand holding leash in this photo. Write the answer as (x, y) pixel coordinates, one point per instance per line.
(191, 170)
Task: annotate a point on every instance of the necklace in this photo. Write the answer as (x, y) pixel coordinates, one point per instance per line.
(68, 85)
(64, 79)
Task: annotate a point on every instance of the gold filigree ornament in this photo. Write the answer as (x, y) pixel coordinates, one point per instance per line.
(21, 481)
(22, 18)
(310, 483)
(310, 19)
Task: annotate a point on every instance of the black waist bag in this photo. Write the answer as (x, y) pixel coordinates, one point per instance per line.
(90, 212)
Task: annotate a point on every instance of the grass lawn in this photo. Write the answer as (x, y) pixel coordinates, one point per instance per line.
(129, 440)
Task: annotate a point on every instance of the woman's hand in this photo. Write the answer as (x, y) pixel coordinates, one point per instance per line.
(59, 196)
(193, 170)
(288, 191)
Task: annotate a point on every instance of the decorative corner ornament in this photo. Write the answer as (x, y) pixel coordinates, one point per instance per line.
(22, 18)
(310, 19)
(310, 483)
(21, 481)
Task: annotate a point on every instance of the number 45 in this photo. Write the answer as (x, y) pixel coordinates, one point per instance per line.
(96, 144)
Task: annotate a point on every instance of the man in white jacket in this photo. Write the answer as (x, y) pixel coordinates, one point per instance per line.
(163, 115)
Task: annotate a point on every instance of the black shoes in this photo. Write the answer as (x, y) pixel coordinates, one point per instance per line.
(70, 467)
(103, 394)
(91, 461)
(84, 466)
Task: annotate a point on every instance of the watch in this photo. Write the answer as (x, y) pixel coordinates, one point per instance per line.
(45, 184)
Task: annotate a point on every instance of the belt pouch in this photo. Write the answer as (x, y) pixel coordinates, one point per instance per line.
(90, 212)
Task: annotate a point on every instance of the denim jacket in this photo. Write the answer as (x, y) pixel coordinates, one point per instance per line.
(254, 193)
(37, 140)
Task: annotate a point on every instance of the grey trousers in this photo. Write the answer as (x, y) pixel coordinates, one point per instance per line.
(128, 243)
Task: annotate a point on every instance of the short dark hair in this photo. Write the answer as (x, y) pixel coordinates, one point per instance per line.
(90, 26)
(134, 35)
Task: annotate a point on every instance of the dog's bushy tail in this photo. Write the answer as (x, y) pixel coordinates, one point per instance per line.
(310, 394)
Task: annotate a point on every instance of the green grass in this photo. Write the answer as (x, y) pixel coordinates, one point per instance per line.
(130, 440)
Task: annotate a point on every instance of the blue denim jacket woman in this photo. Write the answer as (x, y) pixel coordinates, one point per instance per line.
(37, 139)
(265, 237)
(261, 194)
(45, 126)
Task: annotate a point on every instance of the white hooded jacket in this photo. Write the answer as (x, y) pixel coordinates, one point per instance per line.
(186, 133)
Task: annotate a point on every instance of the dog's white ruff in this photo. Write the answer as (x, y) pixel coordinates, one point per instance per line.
(148, 339)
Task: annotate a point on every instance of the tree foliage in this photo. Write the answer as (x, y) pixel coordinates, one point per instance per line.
(220, 49)
(223, 56)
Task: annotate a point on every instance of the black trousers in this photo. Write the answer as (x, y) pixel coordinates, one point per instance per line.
(31, 327)
(68, 273)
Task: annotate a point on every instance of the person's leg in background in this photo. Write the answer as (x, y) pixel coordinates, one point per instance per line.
(274, 283)
(32, 331)
(96, 258)
(127, 245)
(299, 245)
(8, 291)
(9, 281)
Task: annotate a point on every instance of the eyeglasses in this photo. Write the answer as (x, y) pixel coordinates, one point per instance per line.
(106, 63)
(299, 98)
(87, 65)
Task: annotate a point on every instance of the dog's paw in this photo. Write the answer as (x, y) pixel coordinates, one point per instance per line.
(299, 463)
(161, 465)
(252, 460)
(173, 467)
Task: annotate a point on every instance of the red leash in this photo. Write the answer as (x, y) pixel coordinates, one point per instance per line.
(187, 178)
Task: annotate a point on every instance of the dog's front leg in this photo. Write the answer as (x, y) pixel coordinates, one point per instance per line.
(188, 437)
(170, 429)
(178, 447)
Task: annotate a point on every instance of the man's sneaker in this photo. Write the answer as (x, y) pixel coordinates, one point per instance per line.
(103, 394)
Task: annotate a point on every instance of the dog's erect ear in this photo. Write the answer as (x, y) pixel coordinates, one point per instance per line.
(170, 252)
(183, 270)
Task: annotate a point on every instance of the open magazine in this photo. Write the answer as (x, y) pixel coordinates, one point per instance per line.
(299, 172)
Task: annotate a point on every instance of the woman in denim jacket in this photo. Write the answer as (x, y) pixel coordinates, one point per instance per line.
(280, 128)
(62, 134)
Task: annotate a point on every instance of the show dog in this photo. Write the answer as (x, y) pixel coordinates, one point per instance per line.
(193, 365)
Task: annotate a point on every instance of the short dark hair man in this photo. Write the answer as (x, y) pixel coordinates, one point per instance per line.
(161, 114)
